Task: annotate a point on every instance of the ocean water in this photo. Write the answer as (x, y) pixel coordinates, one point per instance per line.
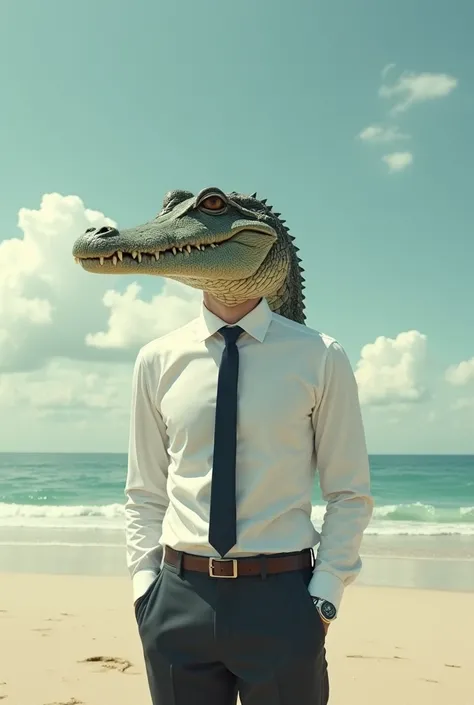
(414, 495)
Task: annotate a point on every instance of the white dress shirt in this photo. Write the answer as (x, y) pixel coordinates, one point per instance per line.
(298, 413)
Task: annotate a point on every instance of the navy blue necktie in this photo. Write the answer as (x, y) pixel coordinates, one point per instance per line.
(223, 514)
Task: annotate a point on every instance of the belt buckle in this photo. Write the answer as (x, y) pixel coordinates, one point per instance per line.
(223, 560)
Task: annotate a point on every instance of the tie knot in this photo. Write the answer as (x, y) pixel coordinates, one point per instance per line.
(230, 334)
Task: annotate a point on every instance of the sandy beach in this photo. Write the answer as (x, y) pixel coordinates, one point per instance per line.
(68, 640)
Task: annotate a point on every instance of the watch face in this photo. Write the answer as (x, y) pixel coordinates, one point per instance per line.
(328, 610)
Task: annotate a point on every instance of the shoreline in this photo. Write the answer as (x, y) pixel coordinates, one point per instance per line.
(422, 562)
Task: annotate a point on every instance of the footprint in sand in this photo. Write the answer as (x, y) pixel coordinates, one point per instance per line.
(71, 701)
(451, 665)
(110, 662)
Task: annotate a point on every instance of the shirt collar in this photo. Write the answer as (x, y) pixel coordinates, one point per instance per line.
(255, 323)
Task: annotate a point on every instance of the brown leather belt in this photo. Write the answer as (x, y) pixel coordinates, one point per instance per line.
(238, 567)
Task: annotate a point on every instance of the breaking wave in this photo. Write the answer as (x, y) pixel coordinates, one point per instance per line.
(402, 519)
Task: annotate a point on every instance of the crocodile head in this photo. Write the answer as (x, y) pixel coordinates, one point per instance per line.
(231, 245)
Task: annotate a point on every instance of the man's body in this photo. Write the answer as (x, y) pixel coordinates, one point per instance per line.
(229, 423)
(204, 636)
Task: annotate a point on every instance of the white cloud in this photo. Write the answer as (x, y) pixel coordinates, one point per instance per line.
(65, 386)
(463, 404)
(390, 371)
(410, 88)
(68, 406)
(50, 308)
(398, 161)
(386, 69)
(68, 338)
(413, 88)
(133, 321)
(461, 374)
(377, 133)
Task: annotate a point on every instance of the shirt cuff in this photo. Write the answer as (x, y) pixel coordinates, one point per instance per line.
(141, 582)
(326, 586)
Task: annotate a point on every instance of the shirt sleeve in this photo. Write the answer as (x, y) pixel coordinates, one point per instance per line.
(344, 477)
(146, 492)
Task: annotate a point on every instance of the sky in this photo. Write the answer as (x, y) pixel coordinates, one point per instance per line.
(353, 119)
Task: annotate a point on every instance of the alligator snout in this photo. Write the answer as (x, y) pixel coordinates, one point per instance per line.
(104, 232)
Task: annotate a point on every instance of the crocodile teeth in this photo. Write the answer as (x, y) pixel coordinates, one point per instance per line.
(134, 254)
(120, 255)
(213, 245)
(174, 250)
(114, 260)
(180, 249)
(76, 260)
(157, 256)
(101, 260)
(139, 257)
(188, 247)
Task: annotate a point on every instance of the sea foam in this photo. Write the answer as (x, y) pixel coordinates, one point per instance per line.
(405, 519)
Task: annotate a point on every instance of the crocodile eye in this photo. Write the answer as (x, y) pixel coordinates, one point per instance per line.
(213, 203)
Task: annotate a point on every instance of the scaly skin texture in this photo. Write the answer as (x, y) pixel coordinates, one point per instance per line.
(231, 245)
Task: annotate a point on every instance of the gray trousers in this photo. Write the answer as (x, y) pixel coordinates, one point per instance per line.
(206, 639)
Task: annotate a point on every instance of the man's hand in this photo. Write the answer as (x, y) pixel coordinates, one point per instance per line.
(325, 625)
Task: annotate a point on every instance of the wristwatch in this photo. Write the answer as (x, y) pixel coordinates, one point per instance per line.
(327, 611)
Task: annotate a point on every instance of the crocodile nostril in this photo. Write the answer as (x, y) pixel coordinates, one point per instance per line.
(105, 231)
(90, 230)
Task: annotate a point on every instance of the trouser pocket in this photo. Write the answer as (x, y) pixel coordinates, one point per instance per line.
(313, 614)
(142, 602)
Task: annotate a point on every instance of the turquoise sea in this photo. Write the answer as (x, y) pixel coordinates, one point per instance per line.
(414, 495)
